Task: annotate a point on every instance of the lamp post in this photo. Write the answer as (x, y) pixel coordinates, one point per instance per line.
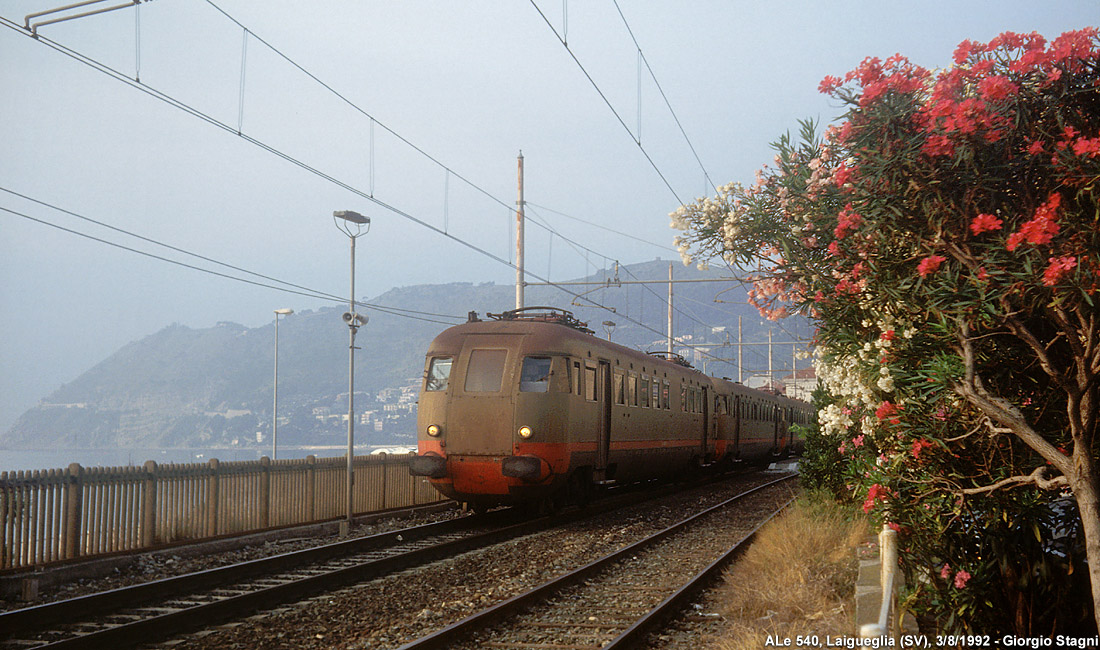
(353, 225)
(609, 326)
(275, 405)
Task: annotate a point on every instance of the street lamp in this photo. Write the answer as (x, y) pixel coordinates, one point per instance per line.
(608, 326)
(275, 405)
(353, 225)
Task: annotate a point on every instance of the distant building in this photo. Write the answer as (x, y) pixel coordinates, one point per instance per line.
(801, 384)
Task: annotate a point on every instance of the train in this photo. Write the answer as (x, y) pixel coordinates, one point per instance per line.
(530, 407)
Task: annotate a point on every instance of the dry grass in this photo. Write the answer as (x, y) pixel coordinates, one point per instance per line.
(797, 578)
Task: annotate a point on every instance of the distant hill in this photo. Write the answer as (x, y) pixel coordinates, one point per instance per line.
(183, 387)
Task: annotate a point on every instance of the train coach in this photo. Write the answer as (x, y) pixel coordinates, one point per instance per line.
(530, 407)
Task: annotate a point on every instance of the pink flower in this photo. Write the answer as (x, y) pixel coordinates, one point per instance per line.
(1058, 269)
(945, 572)
(858, 441)
(930, 265)
(961, 578)
(985, 223)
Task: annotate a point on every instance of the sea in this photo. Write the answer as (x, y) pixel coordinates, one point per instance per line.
(31, 459)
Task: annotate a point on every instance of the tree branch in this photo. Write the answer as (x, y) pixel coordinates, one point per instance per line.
(1037, 477)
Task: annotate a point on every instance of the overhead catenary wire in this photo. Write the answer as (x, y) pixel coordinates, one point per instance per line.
(653, 76)
(191, 110)
(606, 101)
(271, 283)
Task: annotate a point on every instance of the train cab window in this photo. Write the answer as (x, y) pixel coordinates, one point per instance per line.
(643, 392)
(719, 405)
(535, 375)
(576, 377)
(485, 371)
(632, 389)
(590, 384)
(619, 388)
(439, 372)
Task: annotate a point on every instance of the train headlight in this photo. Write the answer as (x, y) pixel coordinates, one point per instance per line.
(525, 432)
(434, 430)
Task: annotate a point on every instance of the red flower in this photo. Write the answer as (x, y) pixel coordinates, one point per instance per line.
(985, 223)
(1058, 269)
(961, 578)
(875, 493)
(919, 445)
(1089, 146)
(1041, 228)
(1035, 148)
(843, 173)
(886, 410)
(997, 88)
(847, 221)
(829, 84)
(930, 264)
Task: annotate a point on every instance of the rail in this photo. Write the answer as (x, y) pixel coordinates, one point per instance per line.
(60, 515)
(887, 623)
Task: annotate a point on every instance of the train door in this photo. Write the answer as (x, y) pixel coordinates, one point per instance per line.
(603, 400)
(708, 420)
(737, 427)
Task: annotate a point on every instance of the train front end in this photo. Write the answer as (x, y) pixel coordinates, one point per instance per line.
(491, 418)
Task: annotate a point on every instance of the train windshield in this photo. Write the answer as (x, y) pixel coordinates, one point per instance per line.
(439, 371)
(484, 373)
(535, 376)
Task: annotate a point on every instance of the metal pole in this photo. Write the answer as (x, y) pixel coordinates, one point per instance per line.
(275, 403)
(740, 354)
(519, 234)
(769, 358)
(670, 314)
(351, 391)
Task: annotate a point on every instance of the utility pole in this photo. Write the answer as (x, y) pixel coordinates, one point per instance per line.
(519, 234)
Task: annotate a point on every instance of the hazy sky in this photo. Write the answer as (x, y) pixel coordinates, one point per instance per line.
(468, 83)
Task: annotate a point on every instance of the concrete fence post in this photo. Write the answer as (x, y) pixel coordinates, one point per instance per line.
(149, 505)
(213, 480)
(74, 502)
(311, 487)
(265, 492)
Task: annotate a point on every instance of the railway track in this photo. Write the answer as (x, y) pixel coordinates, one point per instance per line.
(614, 601)
(141, 614)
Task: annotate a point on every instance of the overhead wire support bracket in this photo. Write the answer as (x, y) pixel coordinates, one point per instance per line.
(33, 29)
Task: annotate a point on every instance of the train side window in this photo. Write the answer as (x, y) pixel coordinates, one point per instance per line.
(665, 404)
(683, 398)
(643, 392)
(485, 371)
(632, 389)
(439, 372)
(576, 376)
(656, 401)
(719, 405)
(535, 375)
(620, 393)
(590, 384)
